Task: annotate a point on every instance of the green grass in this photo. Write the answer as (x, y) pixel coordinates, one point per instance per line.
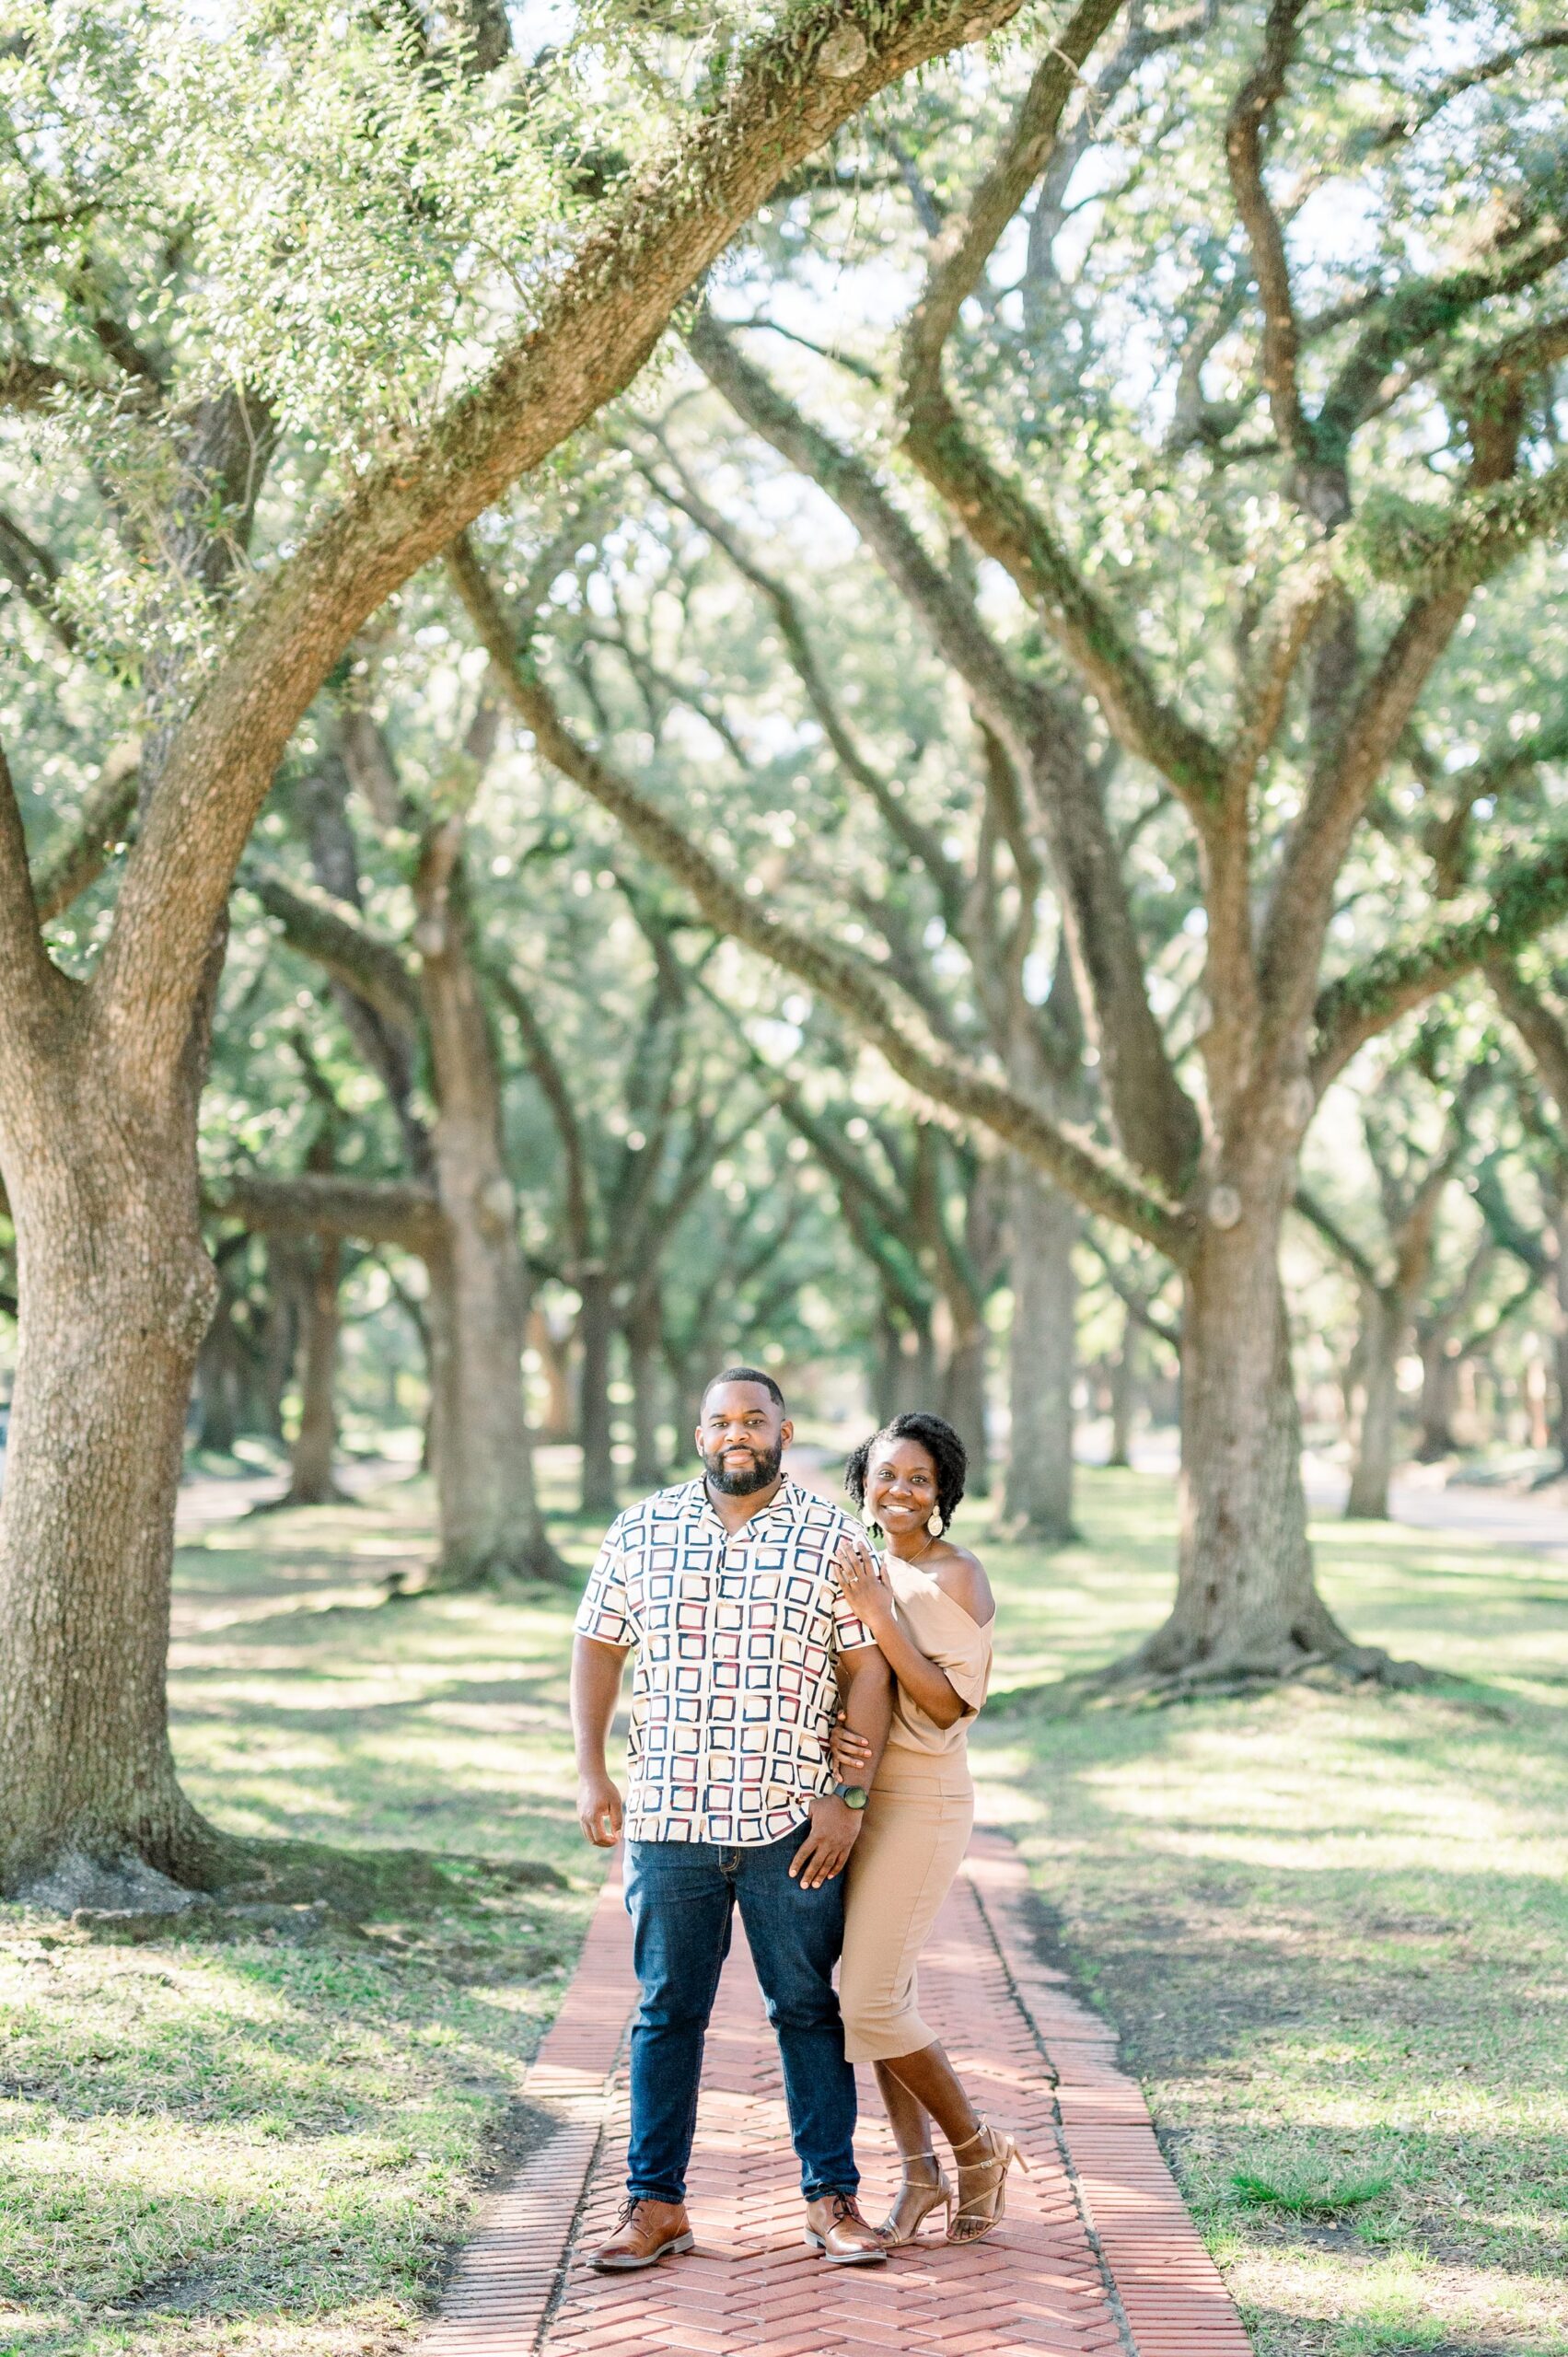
(1315, 2198)
(258, 2146)
(1332, 1928)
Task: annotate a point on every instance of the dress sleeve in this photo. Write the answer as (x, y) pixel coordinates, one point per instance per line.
(606, 1611)
(969, 1673)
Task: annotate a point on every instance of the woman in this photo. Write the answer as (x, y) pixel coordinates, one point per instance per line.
(931, 1610)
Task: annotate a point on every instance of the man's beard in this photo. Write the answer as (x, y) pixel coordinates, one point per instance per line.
(743, 1485)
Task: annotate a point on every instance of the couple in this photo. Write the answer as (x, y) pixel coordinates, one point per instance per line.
(769, 1645)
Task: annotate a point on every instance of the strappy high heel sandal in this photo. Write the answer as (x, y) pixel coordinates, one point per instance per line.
(918, 2197)
(982, 2211)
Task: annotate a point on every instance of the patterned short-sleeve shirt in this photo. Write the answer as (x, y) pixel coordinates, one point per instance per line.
(736, 1634)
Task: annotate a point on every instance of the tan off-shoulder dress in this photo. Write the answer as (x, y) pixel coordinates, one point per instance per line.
(917, 1826)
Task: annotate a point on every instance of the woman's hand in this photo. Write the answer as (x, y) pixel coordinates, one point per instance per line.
(863, 1589)
(850, 1752)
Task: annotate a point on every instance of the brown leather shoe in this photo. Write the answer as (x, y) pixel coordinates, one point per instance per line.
(645, 2231)
(835, 2227)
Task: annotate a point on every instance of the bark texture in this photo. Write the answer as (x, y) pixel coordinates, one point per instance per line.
(90, 1810)
(312, 1459)
(1041, 1358)
(1247, 1606)
(1383, 1328)
(595, 1328)
(491, 1521)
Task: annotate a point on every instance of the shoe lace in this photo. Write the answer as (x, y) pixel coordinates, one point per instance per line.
(846, 2206)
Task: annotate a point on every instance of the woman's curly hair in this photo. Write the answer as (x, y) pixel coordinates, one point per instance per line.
(941, 1443)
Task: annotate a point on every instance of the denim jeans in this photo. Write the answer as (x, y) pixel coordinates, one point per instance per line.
(681, 1898)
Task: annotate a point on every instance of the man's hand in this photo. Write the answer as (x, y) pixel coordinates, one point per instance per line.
(825, 1851)
(600, 1811)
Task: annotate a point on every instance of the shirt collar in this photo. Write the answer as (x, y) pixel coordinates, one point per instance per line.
(789, 1499)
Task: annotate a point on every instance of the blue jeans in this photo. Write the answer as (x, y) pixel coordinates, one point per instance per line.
(681, 1898)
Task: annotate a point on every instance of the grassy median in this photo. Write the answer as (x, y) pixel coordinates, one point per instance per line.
(1330, 1928)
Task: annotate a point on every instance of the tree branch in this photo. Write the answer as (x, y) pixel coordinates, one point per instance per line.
(967, 240)
(1538, 1024)
(848, 982)
(1333, 1234)
(80, 857)
(1522, 898)
(1430, 103)
(334, 934)
(545, 1065)
(378, 1211)
(1155, 1120)
(1459, 543)
(33, 989)
(1410, 315)
(993, 509)
(775, 104)
(921, 841)
(1252, 116)
(34, 574)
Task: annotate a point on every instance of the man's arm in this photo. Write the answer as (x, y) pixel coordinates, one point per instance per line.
(595, 1688)
(867, 1684)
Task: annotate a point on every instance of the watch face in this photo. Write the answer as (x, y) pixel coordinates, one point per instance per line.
(853, 1795)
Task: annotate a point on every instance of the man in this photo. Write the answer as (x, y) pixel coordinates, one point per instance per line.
(725, 1588)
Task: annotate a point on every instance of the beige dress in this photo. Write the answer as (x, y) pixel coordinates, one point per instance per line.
(917, 1826)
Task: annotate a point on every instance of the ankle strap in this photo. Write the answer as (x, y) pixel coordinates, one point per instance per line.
(983, 2129)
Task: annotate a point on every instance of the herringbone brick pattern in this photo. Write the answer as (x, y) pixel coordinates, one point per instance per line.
(1098, 2257)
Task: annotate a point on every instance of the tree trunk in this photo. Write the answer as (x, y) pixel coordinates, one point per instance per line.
(557, 1425)
(218, 1370)
(595, 1326)
(270, 1371)
(490, 1519)
(1125, 1393)
(1041, 1358)
(116, 1290)
(1560, 1335)
(964, 1401)
(646, 1359)
(315, 1445)
(1382, 1335)
(1439, 1386)
(1246, 1604)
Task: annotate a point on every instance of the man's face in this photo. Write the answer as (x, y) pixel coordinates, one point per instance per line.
(742, 1438)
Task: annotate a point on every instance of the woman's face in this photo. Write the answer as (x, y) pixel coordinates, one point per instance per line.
(900, 1486)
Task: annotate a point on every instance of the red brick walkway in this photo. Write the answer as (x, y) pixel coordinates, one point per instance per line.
(1098, 2257)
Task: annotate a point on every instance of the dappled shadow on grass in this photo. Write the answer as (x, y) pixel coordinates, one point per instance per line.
(259, 2132)
(1332, 1933)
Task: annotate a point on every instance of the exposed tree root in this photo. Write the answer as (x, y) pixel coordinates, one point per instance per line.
(1134, 1683)
(496, 1569)
(1019, 1531)
(313, 1494)
(124, 1896)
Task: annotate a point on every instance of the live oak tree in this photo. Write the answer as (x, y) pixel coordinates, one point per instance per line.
(265, 359)
(418, 1011)
(864, 777)
(1254, 569)
(641, 1122)
(1417, 1113)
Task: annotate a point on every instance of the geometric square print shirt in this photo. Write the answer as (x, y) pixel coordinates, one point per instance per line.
(737, 1634)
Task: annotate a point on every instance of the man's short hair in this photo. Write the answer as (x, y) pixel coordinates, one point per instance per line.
(745, 1375)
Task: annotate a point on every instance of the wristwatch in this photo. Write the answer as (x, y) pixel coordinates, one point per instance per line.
(851, 1795)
